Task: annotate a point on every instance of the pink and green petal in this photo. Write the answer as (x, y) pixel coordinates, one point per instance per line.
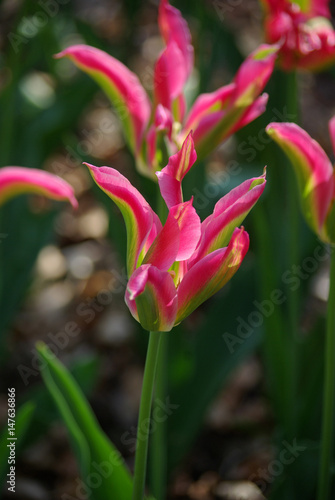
(151, 141)
(164, 249)
(304, 31)
(171, 176)
(314, 8)
(312, 167)
(120, 84)
(190, 229)
(331, 127)
(142, 223)
(178, 239)
(254, 74)
(229, 212)
(310, 8)
(19, 180)
(273, 5)
(327, 232)
(252, 112)
(169, 80)
(316, 48)
(179, 108)
(216, 116)
(174, 27)
(161, 127)
(207, 104)
(169, 76)
(210, 274)
(152, 299)
(163, 120)
(218, 126)
(318, 7)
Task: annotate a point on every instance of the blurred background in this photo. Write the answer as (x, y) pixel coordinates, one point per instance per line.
(62, 276)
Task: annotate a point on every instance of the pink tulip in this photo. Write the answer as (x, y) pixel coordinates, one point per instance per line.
(315, 175)
(304, 31)
(17, 180)
(175, 267)
(213, 117)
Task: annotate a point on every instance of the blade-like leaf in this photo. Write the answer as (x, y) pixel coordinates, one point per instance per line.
(103, 471)
(22, 422)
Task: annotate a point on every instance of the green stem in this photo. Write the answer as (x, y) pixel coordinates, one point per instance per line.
(327, 436)
(158, 442)
(143, 428)
(158, 459)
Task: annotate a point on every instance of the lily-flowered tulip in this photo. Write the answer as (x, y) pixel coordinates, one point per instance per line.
(213, 117)
(315, 175)
(175, 267)
(303, 29)
(18, 180)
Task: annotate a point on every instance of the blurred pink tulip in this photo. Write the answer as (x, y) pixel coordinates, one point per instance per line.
(304, 31)
(213, 117)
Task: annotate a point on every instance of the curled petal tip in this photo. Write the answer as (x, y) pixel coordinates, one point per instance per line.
(120, 84)
(89, 165)
(270, 127)
(74, 202)
(16, 180)
(59, 55)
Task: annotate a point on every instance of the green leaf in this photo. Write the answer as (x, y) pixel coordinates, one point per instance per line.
(22, 422)
(103, 471)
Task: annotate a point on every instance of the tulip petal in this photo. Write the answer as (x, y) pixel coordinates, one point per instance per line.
(171, 176)
(175, 63)
(206, 104)
(177, 240)
(256, 109)
(274, 5)
(229, 212)
(151, 140)
(304, 32)
(327, 233)
(120, 84)
(254, 74)
(17, 180)
(317, 7)
(174, 27)
(142, 223)
(169, 76)
(309, 7)
(215, 116)
(161, 127)
(190, 229)
(316, 49)
(164, 249)
(312, 167)
(152, 299)
(163, 120)
(210, 274)
(331, 127)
